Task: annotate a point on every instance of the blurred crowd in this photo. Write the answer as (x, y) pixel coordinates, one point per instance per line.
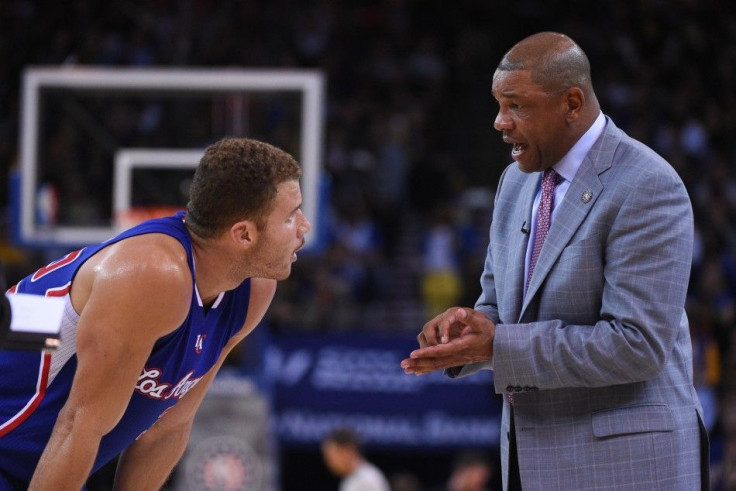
(410, 154)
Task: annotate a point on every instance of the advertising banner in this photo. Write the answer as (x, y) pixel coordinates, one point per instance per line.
(324, 381)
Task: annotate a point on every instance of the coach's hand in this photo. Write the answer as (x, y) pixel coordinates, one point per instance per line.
(457, 337)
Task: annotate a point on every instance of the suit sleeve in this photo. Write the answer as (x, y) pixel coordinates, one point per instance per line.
(645, 249)
(486, 303)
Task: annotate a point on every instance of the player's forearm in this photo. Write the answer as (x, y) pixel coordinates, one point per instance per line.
(66, 461)
(148, 462)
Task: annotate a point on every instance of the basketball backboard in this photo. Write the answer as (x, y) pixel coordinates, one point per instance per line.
(86, 129)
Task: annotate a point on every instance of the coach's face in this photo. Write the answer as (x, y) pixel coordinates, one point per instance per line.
(531, 119)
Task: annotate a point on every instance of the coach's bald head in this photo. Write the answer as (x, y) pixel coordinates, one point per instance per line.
(554, 61)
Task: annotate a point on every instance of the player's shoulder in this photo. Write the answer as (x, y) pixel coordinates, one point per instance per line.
(146, 257)
(153, 249)
(262, 290)
(145, 273)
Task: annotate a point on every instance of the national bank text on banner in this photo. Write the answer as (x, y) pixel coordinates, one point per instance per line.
(323, 381)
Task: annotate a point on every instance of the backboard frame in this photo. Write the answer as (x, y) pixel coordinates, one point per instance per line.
(311, 83)
(127, 160)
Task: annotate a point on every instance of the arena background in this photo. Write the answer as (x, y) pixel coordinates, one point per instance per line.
(411, 160)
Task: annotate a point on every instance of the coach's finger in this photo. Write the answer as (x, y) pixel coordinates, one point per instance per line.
(421, 366)
(447, 321)
(429, 335)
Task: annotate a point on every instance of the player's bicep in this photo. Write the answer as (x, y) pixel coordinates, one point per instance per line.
(125, 314)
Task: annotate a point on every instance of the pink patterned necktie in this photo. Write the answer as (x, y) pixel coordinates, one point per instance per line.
(544, 212)
(550, 180)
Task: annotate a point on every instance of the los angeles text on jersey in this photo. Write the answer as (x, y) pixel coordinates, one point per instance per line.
(149, 386)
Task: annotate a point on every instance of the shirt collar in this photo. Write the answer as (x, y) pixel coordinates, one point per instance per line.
(568, 166)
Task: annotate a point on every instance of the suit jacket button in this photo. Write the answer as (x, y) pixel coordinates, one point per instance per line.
(509, 388)
(527, 388)
(518, 388)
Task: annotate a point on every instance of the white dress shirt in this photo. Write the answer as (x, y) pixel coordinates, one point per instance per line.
(567, 167)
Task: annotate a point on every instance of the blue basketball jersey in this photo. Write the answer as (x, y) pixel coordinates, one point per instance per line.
(35, 385)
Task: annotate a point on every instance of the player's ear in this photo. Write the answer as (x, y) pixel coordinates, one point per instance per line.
(244, 233)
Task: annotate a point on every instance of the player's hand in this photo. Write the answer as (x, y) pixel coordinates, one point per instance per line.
(457, 337)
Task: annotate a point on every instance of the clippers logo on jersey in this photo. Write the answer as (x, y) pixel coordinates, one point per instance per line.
(149, 386)
(199, 342)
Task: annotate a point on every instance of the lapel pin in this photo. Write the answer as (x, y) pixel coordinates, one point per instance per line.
(587, 196)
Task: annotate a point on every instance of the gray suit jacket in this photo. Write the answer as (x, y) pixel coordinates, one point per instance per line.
(598, 352)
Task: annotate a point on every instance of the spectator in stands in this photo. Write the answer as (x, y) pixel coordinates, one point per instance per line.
(471, 471)
(440, 276)
(343, 455)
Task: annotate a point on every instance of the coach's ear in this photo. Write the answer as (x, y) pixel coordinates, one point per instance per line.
(244, 234)
(574, 101)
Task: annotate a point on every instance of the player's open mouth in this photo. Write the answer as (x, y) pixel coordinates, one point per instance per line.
(293, 255)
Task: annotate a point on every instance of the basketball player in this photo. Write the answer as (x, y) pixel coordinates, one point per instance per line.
(150, 316)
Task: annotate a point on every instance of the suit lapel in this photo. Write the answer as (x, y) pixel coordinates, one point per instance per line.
(520, 241)
(579, 199)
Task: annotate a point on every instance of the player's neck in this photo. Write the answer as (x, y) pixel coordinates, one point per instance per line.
(212, 269)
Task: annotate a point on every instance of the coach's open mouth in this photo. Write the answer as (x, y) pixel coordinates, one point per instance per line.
(518, 149)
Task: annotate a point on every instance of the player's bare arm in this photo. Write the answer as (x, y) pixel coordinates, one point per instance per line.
(148, 462)
(128, 296)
